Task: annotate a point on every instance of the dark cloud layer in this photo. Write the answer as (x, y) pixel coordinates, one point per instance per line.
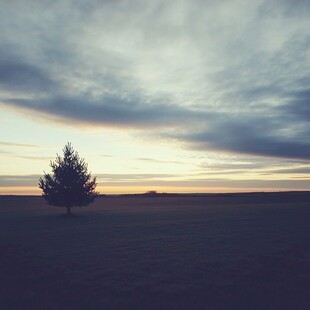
(19, 76)
(234, 80)
(106, 111)
(298, 105)
(250, 138)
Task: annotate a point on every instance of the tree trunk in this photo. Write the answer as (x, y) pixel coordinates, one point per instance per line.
(68, 211)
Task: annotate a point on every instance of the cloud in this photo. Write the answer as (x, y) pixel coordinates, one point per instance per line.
(298, 105)
(248, 138)
(19, 180)
(36, 158)
(105, 111)
(293, 170)
(159, 161)
(11, 144)
(257, 166)
(213, 75)
(132, 177)
(23, 77)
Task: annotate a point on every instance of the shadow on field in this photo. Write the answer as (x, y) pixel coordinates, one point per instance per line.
(71, 217)
(155, 254)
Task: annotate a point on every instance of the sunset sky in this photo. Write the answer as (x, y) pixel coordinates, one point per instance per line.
(173, 96)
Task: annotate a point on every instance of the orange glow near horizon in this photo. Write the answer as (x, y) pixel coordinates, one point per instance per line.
(19, 190)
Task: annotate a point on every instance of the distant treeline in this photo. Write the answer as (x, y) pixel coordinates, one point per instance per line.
(288, 196)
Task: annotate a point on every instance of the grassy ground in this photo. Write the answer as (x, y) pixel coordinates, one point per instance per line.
(221, 252)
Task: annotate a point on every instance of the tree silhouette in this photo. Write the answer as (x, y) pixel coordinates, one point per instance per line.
(70, 184)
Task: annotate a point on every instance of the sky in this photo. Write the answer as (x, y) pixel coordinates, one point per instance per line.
(174, 96)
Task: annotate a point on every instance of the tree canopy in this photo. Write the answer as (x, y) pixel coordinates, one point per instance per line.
(70, 184)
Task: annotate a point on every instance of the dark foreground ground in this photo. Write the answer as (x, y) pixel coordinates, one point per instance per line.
(222, 252)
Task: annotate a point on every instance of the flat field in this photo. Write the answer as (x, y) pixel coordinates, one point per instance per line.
(241, 251)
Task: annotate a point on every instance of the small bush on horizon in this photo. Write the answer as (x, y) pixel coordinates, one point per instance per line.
(151, 193)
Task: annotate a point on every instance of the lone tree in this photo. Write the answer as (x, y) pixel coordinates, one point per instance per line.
(70, 185)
